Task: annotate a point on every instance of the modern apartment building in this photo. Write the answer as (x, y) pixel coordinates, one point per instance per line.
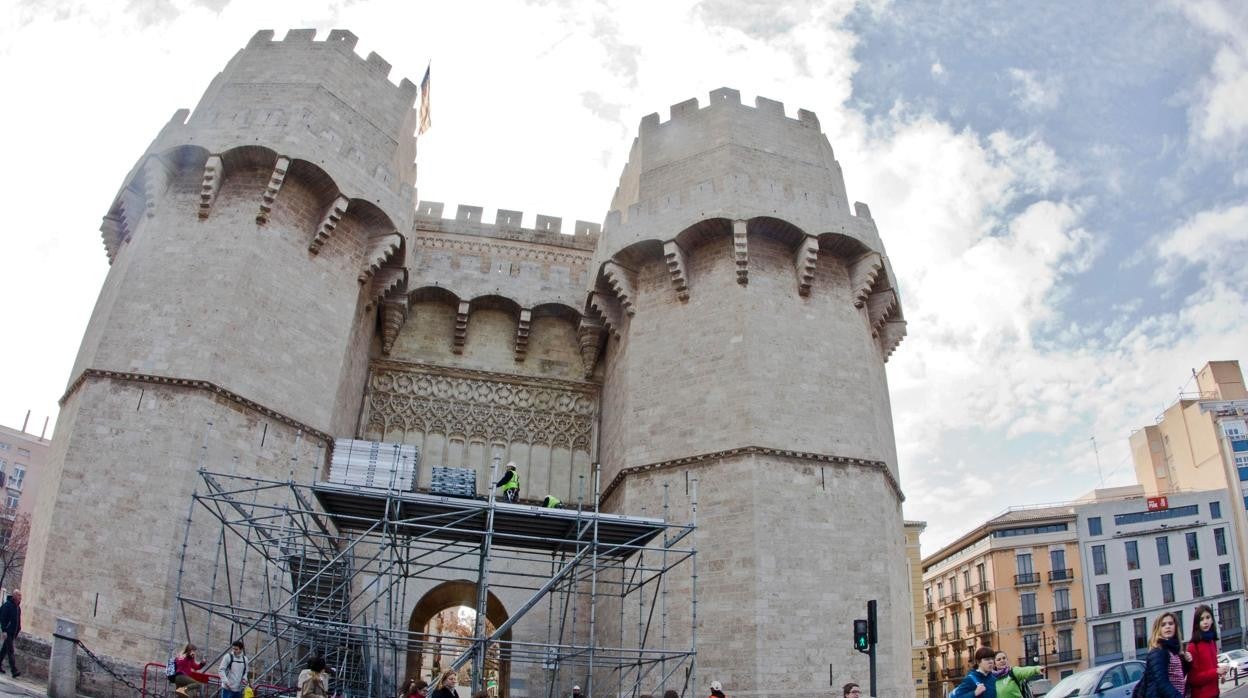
(1013, 584)
(1145, 555)
(1201, 443)
(22, 458)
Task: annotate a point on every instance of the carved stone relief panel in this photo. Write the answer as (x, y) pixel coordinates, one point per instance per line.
(463, 418)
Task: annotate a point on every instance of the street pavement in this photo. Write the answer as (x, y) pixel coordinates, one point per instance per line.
(23, 687)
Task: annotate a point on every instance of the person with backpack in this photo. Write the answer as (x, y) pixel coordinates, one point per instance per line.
(979, 682)
(1206, 673)
(313, 682)
(186, 674)
(233, 671)
(1012, 681)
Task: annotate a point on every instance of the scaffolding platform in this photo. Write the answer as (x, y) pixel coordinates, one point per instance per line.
(326, 568)
(520, 526)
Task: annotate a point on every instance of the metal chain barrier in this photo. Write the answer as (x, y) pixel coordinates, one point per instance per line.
(138, 691)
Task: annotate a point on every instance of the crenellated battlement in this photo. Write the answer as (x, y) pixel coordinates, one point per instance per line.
(547, 230)
(726, 98)
(340, 39)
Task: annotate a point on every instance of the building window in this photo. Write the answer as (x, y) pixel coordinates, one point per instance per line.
(1023, 563)
(931, 632)
(1133, 555)
(1215, 510)
(1193, 546)
(966, 580)
(953, 587)
(983, 615)
(1061, 600)
(1137, 593)
(1094, 525)
(1103, 604)
(970, 616)
(19, 476)
(1098, 560)
(1224, 574)
(1106, 642)
(1198, 583)
(1163, 550)
(1031, 647)
(981, 576)
(1158, 515)
(1057, 561)
(1167, 589)
(1141, 636)
(957, 624)
(11, 501)
(1228, 617)
(1219, 541)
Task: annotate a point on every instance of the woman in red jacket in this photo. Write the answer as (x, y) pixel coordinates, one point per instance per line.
(1203, 678)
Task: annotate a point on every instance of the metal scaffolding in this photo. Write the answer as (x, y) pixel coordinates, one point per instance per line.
(327, 568)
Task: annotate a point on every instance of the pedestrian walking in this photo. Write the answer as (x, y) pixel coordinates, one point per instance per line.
(1205, 673)
(11, 625)
(1166, 664)
(187, 676)
(444, 687)
(979, 682)
(1011, 680)
(509, 484)
(415, 689)
(233, 671)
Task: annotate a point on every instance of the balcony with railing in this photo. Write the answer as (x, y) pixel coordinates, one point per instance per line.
(978, 589)
(954, 672)
(1064, 615)
(930, 607)
(1026, 579)
(1072, 656)
(948, 637)
(985, 628)
(1059, 576)
(1031, 619)
(951, 598)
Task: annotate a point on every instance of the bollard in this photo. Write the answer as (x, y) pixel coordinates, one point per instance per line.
(63, 669)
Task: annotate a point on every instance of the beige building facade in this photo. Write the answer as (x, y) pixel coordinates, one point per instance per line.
(23, 463)
(276, 284)
(1013, 584)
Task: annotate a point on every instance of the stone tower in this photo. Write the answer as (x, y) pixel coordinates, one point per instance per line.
(249, 248)
(749, 312)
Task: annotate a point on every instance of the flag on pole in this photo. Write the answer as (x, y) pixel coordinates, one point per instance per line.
(426, 119)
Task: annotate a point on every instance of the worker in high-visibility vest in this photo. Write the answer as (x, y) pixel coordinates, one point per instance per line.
(509, 483)
(551, 502)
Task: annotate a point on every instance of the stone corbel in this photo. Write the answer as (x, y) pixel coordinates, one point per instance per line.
(522, 333)
(461, 328)
(862, 275)
(380, 249)
(608, 308)
(270, 192)
(329, 223)
(210, 185)
(804, 262)
(591, 334)
(890, 336)
(621, 282)
(113, 231)
(393, 316)
(741, 252)
(386, 280)
(676, 266)
(155, 183)
(880, 305)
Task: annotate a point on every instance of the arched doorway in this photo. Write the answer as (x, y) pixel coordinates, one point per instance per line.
(449, 595)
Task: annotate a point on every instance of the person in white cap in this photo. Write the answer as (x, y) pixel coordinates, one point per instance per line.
(576, 692)
(717, 690)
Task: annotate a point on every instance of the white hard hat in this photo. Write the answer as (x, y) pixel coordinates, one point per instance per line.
(717, 686)
(576, 688)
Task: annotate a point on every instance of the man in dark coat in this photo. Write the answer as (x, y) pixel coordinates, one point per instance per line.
(10, 625)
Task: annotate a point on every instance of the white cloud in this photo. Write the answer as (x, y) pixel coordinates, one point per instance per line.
(1035, 92)
(1217, 114)
(938, 71)
(1216, 240)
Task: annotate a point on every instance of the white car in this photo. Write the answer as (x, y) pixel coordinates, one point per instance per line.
(1237, 660)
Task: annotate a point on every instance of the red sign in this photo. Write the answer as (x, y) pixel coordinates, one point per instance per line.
(1158, 503)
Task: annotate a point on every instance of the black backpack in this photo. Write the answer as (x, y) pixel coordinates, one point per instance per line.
(1023, 686)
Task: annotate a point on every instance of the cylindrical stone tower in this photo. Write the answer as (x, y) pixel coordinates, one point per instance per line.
(748, 313)
(250, 248)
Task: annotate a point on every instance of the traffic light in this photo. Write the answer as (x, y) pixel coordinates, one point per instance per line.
(862, 635)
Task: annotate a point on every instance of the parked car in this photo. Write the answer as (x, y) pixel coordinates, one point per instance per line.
(1237, 660)
(1109, 681)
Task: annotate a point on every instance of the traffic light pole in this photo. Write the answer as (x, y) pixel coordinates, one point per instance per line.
(871, 630)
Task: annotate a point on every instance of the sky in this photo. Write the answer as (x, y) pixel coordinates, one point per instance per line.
(1060, 186)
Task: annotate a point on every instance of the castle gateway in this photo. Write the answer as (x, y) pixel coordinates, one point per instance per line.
(275, 285)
